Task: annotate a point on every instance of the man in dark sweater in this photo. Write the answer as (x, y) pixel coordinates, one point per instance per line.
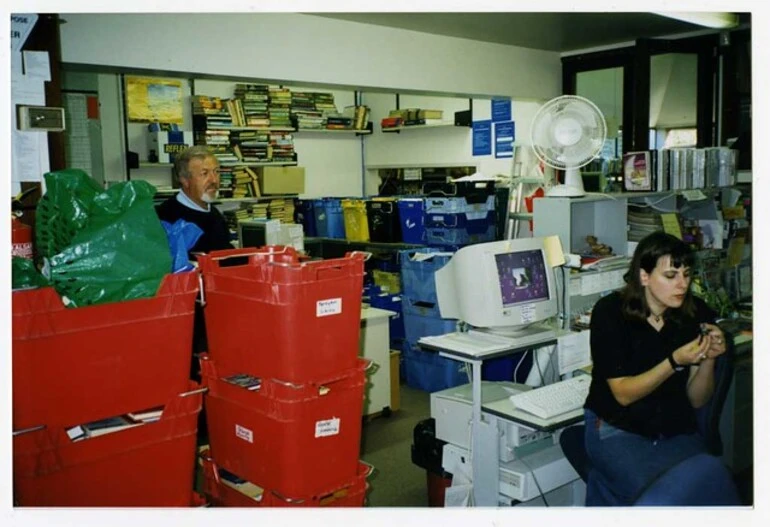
(197, 170)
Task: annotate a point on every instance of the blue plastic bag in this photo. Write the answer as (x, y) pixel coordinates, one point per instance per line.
(182, 235)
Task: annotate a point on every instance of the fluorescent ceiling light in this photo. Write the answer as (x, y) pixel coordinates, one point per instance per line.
(715, 20)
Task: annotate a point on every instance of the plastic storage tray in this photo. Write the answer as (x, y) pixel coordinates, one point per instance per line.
(297, 440)
(220, 494)
(383, 218)
(458, 237)
(72, 366)
(150, 465)
(356, 221)
(471, 222)
(329, 222)
(305, 215)
(428, 371)
(298, 322)
(441, 205)
(410, 213)
(472, 191)
(421, 319)
(418, 276)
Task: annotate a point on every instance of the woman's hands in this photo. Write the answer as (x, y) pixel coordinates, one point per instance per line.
(709, 345)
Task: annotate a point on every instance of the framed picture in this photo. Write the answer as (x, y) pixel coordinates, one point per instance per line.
(152, 100)
(637, 171)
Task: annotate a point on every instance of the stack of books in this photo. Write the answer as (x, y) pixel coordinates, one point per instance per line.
(279, 107)
(642, 220)
(254, 100)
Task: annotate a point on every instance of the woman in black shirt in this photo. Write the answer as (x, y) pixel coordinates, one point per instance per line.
(653, 346)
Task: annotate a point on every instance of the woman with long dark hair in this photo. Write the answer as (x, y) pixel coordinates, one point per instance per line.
(653, 346)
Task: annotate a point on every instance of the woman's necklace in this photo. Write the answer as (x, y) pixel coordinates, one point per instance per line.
(655, 317)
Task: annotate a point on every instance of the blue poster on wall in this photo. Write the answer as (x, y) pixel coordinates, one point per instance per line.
(482, 138)
(505, 135)
(501, 110)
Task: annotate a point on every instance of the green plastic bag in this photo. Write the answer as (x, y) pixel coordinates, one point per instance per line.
(24, 274)
(117, 248)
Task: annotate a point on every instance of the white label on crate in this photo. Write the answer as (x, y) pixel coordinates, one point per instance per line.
(329, 427)
(244, 433)
(330, 306)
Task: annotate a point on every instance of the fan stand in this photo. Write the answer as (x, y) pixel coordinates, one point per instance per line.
(572, 187)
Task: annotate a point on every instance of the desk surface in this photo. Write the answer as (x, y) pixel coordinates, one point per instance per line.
(505, 409)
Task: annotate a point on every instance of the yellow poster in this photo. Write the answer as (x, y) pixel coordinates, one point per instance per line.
(151, 100)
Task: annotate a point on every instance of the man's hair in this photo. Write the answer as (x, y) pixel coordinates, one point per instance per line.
(182, 161)
(646, 256)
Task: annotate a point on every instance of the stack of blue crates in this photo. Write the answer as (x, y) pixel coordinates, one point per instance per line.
(425, 370)
(459, 221)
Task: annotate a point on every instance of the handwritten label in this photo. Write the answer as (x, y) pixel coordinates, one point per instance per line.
(328, 307)
(244, 433)
(328, 427)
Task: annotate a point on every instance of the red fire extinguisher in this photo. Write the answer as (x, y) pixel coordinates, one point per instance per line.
(21, 234)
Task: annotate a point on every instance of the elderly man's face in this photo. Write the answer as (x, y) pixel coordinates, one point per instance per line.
(202, 186)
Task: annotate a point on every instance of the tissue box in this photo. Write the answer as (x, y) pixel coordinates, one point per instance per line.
(168, 144)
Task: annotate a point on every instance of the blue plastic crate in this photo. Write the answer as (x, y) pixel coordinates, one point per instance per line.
(303, 214)
(329, 221)
(471, 222)
(391, 303)
(441, 205)
(419, 323)
(418, 276)
(458, 237)
(410, 211)
(428, 371)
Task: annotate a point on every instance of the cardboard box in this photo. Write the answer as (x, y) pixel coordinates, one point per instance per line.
(281, 180)
(395, 380)
(168, 144)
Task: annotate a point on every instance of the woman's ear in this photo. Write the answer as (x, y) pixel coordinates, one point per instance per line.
(644, 277)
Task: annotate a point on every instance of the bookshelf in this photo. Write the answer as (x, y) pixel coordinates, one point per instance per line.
(397, 129)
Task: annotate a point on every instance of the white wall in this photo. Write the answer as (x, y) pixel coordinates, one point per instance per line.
(314, 52)
(305, 49)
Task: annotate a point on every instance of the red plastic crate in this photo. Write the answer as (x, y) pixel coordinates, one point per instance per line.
(72, 366)
(220, 494)
(151, 465)
(293, 439)
(297, 322)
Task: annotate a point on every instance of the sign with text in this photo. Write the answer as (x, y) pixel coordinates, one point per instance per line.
(501, 110)
(21, 26)
(505, 134)
(482, 138)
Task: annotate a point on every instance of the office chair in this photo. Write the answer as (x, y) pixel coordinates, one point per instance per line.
(715, 484)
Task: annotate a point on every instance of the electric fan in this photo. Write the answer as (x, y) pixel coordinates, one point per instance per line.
(567, 133)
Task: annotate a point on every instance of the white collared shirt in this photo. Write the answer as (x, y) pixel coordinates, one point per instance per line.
(185, 200)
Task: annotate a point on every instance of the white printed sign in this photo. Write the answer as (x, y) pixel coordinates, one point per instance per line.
(527, 313)
(330, 306)
(244, 433)
(329, 427)
(21, 26)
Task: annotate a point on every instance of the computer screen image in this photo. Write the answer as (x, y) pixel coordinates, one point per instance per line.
(504, 286)
(522, 277)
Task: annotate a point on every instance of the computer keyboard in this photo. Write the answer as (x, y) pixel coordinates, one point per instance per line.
(471, 343)
(554, 399)
(476, 342)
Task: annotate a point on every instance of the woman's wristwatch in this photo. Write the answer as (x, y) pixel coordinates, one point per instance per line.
(674, 365)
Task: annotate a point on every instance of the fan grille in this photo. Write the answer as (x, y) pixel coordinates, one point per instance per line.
(568, 132)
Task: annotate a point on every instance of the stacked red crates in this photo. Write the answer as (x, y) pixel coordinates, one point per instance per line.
(293, 328)
(75, 366)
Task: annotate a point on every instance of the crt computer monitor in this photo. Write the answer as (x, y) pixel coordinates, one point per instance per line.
(503, 286)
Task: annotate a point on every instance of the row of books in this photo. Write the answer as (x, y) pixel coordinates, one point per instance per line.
(274, 209)
(412, 117)
(679, 169)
